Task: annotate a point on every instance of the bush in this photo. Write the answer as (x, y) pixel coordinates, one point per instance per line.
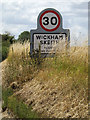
(16, 106)
(5, 94)
(5, 51)
(7, 40)
(20, 109)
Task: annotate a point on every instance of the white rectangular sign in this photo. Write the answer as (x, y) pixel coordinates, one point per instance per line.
(48, 42)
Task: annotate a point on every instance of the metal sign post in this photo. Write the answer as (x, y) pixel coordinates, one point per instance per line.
(49, 32)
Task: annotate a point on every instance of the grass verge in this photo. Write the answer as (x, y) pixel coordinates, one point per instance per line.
(68, 71)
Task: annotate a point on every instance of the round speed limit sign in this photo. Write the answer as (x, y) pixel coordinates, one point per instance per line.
(50, 20)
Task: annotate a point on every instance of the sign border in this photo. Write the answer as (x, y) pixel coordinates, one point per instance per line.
(59, 20)
(46, 33)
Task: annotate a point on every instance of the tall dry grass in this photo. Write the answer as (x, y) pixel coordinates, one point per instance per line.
(18, 49)
(71, 67)
(19, 66)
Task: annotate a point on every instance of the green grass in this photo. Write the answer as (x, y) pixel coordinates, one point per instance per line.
(17, 106)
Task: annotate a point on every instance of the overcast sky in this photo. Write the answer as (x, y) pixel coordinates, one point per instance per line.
(21, 15)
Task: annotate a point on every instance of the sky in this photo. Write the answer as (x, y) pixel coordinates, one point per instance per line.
(17, 16)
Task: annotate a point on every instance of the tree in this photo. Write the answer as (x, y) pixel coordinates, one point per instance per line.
(7, 37)
(7, 40)
(24, 36)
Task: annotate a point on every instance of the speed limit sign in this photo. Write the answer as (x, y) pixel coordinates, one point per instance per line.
(49, 32)
(49, 20)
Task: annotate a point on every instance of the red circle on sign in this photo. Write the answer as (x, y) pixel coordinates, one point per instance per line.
(48, 12)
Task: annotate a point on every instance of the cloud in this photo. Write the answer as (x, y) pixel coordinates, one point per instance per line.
(21, 15)
(15, 29)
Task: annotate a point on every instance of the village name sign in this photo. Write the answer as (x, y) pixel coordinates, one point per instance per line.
(49, 32)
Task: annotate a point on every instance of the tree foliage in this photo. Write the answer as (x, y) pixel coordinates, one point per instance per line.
(7, 37)
(7, 40)
(24, 36)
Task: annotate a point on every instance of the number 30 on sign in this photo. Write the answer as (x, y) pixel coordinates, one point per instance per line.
(49, 20)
